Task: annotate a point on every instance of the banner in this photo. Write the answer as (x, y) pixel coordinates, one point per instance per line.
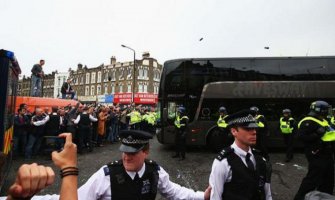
(139, 98)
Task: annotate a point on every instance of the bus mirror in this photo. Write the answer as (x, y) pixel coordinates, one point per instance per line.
(165, 114)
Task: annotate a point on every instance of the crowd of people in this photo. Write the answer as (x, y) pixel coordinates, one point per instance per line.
(91, 126)
(243, 165)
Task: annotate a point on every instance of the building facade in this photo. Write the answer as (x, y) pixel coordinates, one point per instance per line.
(116, 79)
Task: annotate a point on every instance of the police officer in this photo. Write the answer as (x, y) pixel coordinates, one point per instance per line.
(262, 131)
(181, 124)
(148, 121)
(318, 137)
(239, 172)
(134, 177)
(287, 128)
(332, 119)
(222, 125)
(135, 118)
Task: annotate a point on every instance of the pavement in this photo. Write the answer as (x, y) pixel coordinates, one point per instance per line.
(192, 172)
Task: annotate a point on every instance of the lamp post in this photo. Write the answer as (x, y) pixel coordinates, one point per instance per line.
(133, 88)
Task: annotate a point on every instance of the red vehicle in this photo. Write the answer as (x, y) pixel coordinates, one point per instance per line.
(44, 103)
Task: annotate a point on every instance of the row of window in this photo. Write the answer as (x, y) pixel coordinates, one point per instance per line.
(122, 74)
(142, 88)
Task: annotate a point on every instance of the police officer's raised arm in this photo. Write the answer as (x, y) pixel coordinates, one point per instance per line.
(171, 190)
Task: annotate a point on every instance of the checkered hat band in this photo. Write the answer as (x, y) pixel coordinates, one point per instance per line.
(242, 120)
(134, 141)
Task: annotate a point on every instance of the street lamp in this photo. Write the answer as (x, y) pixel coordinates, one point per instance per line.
(133, 88)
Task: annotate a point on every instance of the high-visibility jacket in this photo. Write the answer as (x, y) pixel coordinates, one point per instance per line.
(178, 120)
(221, 122)
(259, 123)
(150, 118)
(329, 135)
(135, 117)
(285, 125)
(332, 120)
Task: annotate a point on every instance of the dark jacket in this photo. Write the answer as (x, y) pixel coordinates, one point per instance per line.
(20, 124)
(65, 87)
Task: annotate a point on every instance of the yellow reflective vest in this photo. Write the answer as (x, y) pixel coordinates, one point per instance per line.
(259, 123)
(150, 117)
(221, 122)
(135, 117)
(178, 119)
(329, 136)
(285, 126)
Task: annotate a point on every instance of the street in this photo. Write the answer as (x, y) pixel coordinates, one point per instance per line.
(192, 173)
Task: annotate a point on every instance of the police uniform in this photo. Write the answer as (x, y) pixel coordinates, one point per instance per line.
(318, 138)
(112, 181)
(287, 128)
(135, 119)
(233, 175)
(224, 132)
(181, 124)
(261, 135)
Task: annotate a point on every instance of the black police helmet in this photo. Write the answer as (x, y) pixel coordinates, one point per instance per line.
(181, 109)
(222, 109)
(320, 108)
(288, 111)
(254, 110)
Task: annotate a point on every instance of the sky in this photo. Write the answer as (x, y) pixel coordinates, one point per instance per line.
(68, 32)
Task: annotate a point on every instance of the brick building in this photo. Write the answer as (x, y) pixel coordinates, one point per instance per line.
(116, 79)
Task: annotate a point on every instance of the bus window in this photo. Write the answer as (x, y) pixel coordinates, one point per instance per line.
(172, 110)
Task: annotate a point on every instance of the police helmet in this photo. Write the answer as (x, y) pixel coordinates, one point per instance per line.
(288, 111)
(222, 109)
(181, 109)
(254, 109)
(320, 108)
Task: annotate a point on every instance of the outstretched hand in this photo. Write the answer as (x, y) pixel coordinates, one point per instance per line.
(208, 193)
(68, 156)
(30, 179)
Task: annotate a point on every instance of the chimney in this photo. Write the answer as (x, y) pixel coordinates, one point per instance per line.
(146, 54)
(113, 60)
(80, 66)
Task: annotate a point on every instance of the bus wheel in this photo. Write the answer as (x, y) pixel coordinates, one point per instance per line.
(216, 140)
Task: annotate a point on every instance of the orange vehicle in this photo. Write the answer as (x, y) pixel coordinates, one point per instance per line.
(42, 102)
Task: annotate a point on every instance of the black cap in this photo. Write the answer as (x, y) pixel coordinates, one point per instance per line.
(133, 140)
(243, 118)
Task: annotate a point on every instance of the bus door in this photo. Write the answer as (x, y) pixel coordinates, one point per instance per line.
(167, 121)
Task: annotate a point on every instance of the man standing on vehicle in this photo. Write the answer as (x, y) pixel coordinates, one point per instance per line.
(36, 79)
(181, 125)
(67, 89)
(318, 138)
(287, 128)
(240, 172)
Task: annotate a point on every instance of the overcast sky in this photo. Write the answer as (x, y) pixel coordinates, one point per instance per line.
(68, 32)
